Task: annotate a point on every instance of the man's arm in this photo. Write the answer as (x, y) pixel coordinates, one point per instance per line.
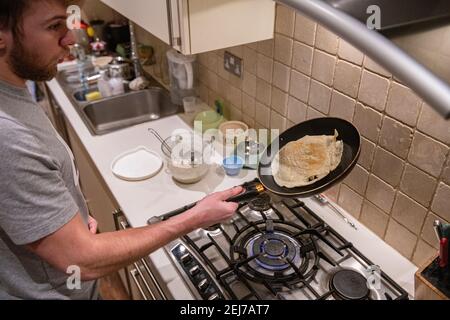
(99, 255)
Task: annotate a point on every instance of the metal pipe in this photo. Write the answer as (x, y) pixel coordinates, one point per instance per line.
(427, 85)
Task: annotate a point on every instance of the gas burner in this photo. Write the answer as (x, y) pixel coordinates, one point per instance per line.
(349, 285)
(274, 251)
(260, 203)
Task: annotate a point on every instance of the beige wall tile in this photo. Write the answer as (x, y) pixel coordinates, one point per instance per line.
(235, 97)
(373, 66)
(319, 97)
(305, 29)
(441, 202)
(348, 52)
(277, 121)
(326, 40)
(357, 179)
(367, 153)
(423, 254)
(380, 193)
(347, 78)
(388, 167)
(400, 239)
(249, 84)
(279, 101)
(264, 69)
(236, 114)
(433, 124)
(263, 92)
(250, 121)
(235, 81)
(312, 113)
(396, 137)
(428, 233)
(302, 58)
(262, 114)
(252, 45)
(248, 105)
(266, 47)
(323, 67)
(409, 213)
(281, 76)
(203, 92)
(342, 106)
(250, 60)
(373, 90)
(375, 219)
(296, 110)
(350, 201)
(418, 185)
(403, 104)
(368, 122)
(285, 20)
(223, 87)
(299, 86)
(428, 154)
(283, 49)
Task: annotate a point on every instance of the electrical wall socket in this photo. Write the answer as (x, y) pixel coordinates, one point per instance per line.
(233, 64)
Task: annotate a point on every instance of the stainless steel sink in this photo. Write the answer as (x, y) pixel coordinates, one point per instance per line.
(118, 112)
(129, 109)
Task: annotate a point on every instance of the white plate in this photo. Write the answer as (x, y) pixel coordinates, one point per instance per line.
(137, 164)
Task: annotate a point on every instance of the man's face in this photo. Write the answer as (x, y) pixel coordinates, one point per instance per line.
(42, 43)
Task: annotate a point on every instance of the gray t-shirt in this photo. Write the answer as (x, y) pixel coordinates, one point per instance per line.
(39, 194)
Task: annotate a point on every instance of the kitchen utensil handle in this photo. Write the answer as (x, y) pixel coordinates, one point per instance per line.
(248, 193)
(323, 199)
(157, 135)
(443, 253)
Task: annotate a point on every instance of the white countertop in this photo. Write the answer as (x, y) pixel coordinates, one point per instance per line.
(141, 200)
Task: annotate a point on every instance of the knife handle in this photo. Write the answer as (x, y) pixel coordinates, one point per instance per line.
(443, 253)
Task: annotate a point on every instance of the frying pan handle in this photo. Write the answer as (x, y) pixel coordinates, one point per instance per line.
(251, 190)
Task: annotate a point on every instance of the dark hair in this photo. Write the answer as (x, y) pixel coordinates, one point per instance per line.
(11, 14)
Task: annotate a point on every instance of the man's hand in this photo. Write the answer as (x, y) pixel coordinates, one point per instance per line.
(215, 209)
(92, 225)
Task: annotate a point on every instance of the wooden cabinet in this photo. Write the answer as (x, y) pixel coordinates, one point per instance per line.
(101, 204)
(196, 26)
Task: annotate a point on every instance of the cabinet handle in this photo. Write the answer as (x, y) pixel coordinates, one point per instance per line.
(145, 282)
(155, 282)
(134, 276)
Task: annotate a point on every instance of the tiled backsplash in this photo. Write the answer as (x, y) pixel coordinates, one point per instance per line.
(401, 183)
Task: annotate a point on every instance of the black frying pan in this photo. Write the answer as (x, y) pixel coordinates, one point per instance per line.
(322, 126)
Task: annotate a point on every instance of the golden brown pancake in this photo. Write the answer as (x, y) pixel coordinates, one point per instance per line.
(306, 161)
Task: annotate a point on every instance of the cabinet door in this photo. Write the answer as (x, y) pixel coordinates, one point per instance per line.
(152, 15)
(101, 204)
(218, 24)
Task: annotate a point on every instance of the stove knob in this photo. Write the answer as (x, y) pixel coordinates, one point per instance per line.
(203, 285)
(214, 296)
(186, 258)
(194, 270)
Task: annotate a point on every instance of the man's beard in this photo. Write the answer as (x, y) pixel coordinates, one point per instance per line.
(26, 65)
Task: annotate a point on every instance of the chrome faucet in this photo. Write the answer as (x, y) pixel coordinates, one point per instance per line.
(134, 51)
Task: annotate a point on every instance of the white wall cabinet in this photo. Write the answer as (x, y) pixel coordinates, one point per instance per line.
(196, 26)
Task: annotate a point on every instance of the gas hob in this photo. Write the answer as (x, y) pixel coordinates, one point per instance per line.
(277, 248)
